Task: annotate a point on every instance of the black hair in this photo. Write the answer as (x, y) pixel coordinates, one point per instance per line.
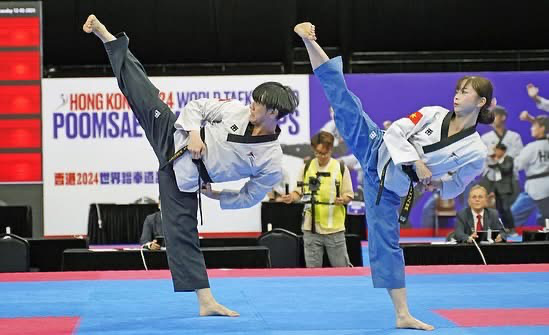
(323, 137)
(276, 96)
(501, 146)
(500, 110)
(543, 121)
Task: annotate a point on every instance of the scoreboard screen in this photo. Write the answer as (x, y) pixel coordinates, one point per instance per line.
(20, 92)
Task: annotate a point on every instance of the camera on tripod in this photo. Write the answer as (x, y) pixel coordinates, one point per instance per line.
(314, 182)
(314, 186)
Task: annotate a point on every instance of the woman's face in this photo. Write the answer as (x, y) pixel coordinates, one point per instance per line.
(466, 99)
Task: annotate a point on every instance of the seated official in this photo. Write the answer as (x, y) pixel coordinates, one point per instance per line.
(152, 228)
(335, 190)
(477, 217)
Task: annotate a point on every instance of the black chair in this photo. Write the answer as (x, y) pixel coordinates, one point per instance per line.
(18, 218)
(283, 246)
(15, 253)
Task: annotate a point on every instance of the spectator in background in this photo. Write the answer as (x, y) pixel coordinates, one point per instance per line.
(508, 187)
(340, 149)
(534, 160)
(335, 191)
(500, 134)
(152, 228)
(341, 152)
(524, 205)
(500, 180)
(477, 217)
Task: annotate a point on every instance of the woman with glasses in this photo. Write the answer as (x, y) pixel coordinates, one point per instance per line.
(331, 183)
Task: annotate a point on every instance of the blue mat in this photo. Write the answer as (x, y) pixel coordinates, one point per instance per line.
(303, 305)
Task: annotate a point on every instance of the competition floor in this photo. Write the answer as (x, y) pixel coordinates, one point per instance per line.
(495, 299)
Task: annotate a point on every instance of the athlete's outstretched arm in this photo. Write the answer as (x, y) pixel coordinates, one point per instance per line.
(541, 102)
(306, 31)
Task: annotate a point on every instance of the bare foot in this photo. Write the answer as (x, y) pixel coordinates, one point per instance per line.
(93, 25)
(306, 30)
(413, 323)
(216, 309)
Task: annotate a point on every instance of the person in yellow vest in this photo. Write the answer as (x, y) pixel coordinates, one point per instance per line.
(334, 192)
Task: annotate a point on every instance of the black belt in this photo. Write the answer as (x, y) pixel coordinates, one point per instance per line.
(405, 210)
(539, 175)
(202, 171)
(382, 182)
(407, 206)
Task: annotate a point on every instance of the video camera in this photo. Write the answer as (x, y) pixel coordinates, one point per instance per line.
(314, 182)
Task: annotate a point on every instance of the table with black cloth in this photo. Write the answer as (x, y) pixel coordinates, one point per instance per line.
(289, 217)
(125, 259)
(18, 218)
(120, 224)
(354, 247)
(534, 235)
(465, 253)
(46, 254)
(218, 253)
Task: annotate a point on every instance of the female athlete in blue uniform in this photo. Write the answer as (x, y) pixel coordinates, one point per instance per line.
(433, 146)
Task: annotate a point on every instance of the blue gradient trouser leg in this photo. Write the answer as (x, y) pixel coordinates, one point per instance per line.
(543, 207)
(522, 208)
(428, 212)
(179, 209)
(364, 138)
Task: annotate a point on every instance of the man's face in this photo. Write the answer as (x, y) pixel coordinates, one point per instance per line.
(477, 199)
(537, 130)
(258, 113)
(499, 120)
(323, 154)
(498, 153)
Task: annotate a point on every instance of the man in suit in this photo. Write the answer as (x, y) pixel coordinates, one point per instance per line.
(477, 217)
(152, 227)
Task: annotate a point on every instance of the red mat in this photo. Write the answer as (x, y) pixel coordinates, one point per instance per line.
(493, 317)
(39, 326)
(299, 272)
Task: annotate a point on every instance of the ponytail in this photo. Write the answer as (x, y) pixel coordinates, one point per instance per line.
(486, 116)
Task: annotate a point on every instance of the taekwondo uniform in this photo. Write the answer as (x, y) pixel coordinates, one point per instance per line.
(511, 139)
(456, 160)
(524, 204)
(232, 154)
(543, 104)
(534, 160)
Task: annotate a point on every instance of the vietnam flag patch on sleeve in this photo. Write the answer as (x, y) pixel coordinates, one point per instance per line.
(415, 117)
